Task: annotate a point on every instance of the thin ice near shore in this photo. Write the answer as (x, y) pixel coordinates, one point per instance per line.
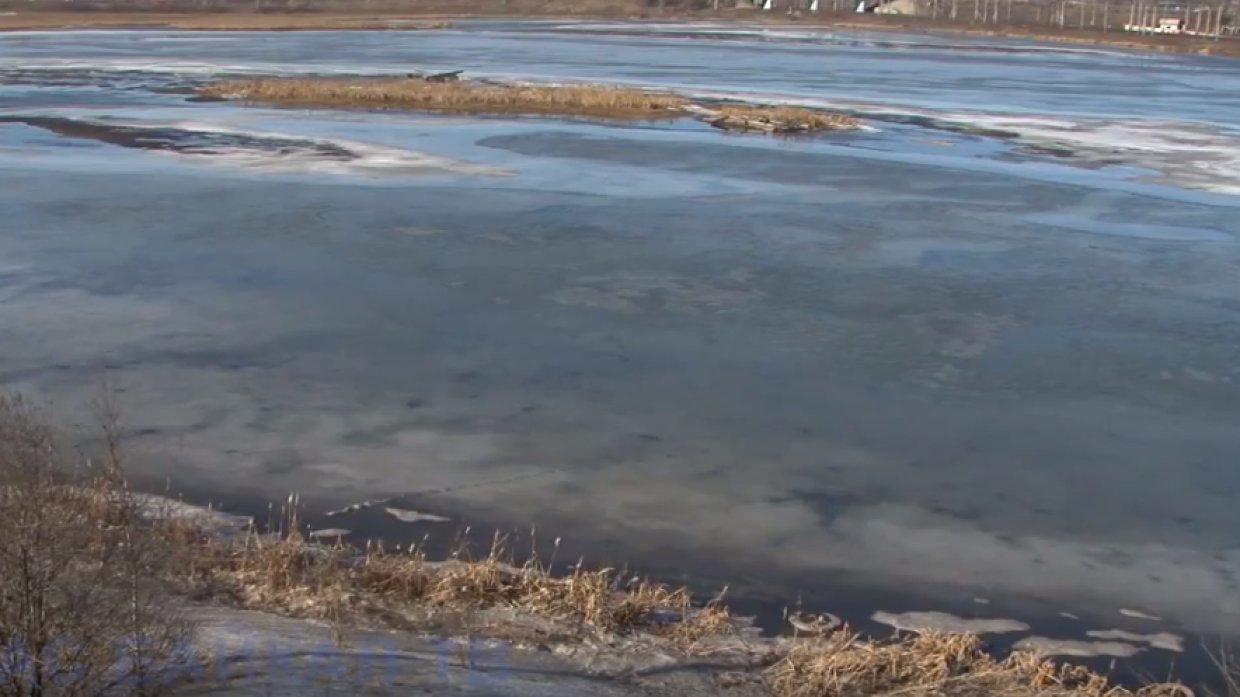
(489, 614)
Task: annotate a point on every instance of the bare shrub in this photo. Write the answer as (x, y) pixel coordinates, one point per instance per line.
(81, 608)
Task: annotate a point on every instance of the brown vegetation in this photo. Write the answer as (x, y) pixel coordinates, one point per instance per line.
(86, 573)
(780, 119)
(426, 93)
(289, 574)
(934, 664)
(81, 608)
(473, 97)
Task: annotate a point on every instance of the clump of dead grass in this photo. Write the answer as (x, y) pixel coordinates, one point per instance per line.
(933, 663)
(460, 96)
(288, 573)
(780, 119)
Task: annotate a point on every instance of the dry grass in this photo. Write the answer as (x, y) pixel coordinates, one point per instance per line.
(292, 575)
(934, 664)
(781, 119)
(479, 97)
(472, 97)
(90, 555)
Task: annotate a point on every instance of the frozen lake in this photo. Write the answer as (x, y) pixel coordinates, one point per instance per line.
(989, 346)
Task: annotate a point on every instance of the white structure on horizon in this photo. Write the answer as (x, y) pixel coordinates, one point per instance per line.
(1165, 25)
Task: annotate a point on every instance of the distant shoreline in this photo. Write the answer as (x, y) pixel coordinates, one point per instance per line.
(417, 21)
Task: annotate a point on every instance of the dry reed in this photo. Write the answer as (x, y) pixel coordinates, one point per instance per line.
(472, 97)
(90, 542)
(290, 574)
(934, 664)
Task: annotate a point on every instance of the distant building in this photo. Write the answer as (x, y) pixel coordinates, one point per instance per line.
(898, 7)
(892, 7)
(1170, 25)
(1164, 25)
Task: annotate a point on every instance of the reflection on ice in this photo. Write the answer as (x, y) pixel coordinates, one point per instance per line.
(957, 353)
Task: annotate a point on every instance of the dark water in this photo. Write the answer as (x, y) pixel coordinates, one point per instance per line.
(986, 349)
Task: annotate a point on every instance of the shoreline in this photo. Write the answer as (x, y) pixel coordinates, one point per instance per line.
(431, 20)
(761, 603)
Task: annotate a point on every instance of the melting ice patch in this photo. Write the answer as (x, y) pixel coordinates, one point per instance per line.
(1186, 153)
(1048, 646)
(269, 152)
(1160, 640)
(934, 621)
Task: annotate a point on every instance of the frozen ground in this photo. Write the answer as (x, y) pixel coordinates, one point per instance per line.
(257, 655)
(987, 348)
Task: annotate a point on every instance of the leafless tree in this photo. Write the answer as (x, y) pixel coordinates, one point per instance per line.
(82, 613)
